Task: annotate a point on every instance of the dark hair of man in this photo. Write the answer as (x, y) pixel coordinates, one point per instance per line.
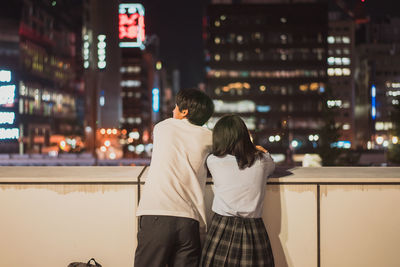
(199, 105)
(231, 136)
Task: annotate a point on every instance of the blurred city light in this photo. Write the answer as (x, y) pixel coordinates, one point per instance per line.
(156, 99)
(139, 148)
(134, 135)
(379, 140)
(373, 102)
(295, 143)
(395, 139)
(385, 143)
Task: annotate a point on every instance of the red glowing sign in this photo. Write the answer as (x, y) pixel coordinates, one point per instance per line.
(131, 25)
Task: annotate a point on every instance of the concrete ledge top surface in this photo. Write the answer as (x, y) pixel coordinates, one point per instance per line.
(329, 175)
(337, 175)
(85, 174)
(127, 174)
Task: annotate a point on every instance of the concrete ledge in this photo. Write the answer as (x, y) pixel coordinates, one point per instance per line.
(315, 217)
(336, 175)
(122, 174)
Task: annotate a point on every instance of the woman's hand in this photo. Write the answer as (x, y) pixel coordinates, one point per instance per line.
(262, 149)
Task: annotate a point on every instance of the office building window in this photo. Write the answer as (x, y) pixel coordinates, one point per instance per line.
(345, 40)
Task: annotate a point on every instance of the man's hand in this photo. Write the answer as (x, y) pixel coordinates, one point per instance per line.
(262, 149)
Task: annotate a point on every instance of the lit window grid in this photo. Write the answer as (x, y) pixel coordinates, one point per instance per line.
(383, 126)
(243, 106)
(339, 72)
(131, 83)
(45, 102)
(338, 61)
(249, 121)
(239, 88)
(275, 54)
(130, 69)
(338, 39)
(131, 120)
(266, 74)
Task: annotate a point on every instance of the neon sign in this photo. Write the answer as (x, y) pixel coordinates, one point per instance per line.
(86, 51)
(131, 25)
(7, 95)
(101, 51)
(7, 117)
(9, 133)
(156, 99)
(373, 102)
(7, 99)
(5, 76)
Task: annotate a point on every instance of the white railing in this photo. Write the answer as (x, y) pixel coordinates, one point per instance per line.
(51, 216)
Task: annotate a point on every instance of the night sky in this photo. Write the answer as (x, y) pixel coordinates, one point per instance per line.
(178, 24)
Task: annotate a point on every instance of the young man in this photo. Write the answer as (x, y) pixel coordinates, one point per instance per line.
(171, 207)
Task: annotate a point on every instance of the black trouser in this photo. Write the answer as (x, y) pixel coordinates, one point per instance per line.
(167, 240)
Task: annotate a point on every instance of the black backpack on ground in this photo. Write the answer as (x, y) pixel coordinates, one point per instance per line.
(82, 264)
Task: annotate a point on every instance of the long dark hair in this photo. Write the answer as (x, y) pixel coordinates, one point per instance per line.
(231, 136)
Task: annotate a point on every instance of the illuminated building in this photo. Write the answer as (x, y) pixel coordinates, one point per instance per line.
(267, 62)
(140, 86)
(101, 60)
(41, 89)
(340, 59)
(378, 83)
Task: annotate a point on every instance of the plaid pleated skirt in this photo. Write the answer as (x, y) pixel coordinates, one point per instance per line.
(235, 241)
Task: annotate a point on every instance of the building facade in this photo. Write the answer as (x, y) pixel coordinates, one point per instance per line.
(268, 63)
(378, 81)
(341, 62)
(140, 81)
(41, 85)
(101, 60)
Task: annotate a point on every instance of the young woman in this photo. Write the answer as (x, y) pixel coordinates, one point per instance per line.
(237, 235)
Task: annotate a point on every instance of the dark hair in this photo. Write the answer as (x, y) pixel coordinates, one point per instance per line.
(199, 105)
(231, 136)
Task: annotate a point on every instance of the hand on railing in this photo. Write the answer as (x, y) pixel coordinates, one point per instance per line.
(262, 149)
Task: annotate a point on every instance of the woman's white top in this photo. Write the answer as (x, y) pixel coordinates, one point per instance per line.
(239, 192)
